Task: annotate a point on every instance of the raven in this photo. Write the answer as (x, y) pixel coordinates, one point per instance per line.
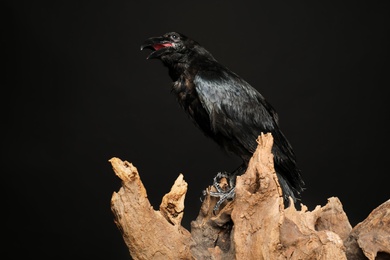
(226, 108)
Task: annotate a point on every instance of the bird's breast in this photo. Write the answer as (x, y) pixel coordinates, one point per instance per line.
(185, 92)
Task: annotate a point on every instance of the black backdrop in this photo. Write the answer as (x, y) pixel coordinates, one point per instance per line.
(78, 91)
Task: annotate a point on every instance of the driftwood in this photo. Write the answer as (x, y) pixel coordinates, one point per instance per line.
(255, 225)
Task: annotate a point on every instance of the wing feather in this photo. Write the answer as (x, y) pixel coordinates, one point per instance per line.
(240, 113)
(236, 109)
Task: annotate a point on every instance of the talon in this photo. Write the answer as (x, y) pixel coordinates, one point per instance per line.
(224, 183)
(223, 197)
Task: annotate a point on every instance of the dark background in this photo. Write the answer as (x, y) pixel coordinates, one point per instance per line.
(78, 91)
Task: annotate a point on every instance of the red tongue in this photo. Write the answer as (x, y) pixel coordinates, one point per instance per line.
(161, 45)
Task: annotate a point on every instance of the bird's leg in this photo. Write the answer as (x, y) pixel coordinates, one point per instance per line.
(225, 183)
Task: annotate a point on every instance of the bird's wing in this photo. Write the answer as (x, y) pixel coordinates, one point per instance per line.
(240, 113)
(236, 109)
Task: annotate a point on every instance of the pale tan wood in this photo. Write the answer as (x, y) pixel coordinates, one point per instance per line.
(370, 239)
(255, 225)
(149, 234)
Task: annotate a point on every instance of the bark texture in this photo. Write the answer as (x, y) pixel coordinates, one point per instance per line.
(255, 225)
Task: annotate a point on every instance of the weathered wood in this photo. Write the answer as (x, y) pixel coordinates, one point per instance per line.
(370, 239)
(149, 234)
(255, 225)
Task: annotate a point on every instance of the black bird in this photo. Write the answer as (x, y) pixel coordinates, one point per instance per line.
(225, 107)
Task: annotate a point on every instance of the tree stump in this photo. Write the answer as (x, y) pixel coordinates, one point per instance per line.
(255, 225)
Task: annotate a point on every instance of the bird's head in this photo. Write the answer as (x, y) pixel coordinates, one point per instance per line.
(171, 45)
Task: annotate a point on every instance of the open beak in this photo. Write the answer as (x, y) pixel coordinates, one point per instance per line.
(157, 44)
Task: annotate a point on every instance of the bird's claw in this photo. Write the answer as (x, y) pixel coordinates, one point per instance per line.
(223, 196)
(225, 189)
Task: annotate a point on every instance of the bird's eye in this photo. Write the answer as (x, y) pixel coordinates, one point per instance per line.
(174, 36)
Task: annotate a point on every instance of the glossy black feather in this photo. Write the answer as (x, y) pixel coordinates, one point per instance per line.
(225, 107)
